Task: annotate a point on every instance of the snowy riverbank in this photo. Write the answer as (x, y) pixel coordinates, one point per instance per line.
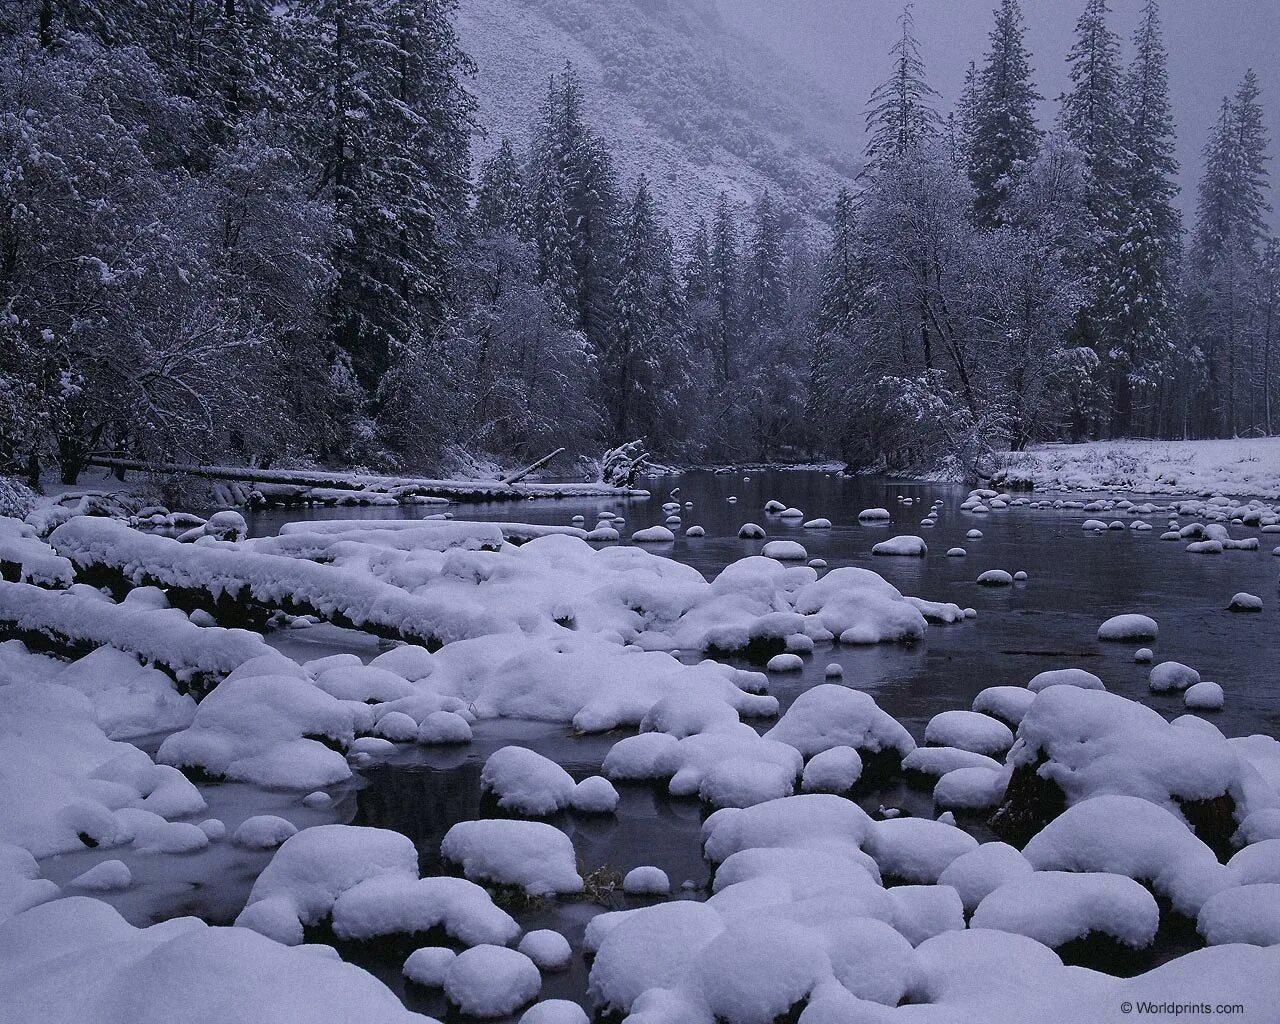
(1240, 467)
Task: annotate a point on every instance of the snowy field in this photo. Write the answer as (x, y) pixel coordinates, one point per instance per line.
(1244, 468)
(643, 762)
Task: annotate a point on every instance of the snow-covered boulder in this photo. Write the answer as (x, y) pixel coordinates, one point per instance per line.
(968, 730)
(830, 715)
(532, 855)
(263, 724)
(78, 959)
(1129, 627)
(908, 546)
(1057, 907)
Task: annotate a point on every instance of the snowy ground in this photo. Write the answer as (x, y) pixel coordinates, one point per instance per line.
(155, 763)
(1247, 468)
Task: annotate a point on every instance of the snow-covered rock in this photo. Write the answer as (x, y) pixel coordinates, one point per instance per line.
(491, 981)
(968, 730)
(907, 545)
(1056, 907)
(1130, 627)
(529, 854)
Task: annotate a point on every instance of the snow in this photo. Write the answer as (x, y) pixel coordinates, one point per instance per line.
(907, 546)
(785, 551)
(968, 730)
(107, 876)
(653, 535)
(818, 524)
(755, 970)
(1055, 907)
(1172, 675)
(1204, 696)
(264, 832)
(751, 531)
(1126, 835)
(78, 959)
(830, 715)
(313, 868)
(594, 795)
(549, 950)
(646, 881)
(1236, 466)
(834, 770)
(21, 886)
(526, 782)
(1248, 914)
(1007, 703)
(163, 637)
(923, 911)
(1065, 677)
(1090, 742)
(62, 778)
(444, 727)
(785, 663)
(1129, 627)
(995, 578)
(530, 854)
(258, 726)
(976, 874)
(555, 1011)
(874, 515)
(427, 966)
(393, 904)
(1243, 602)
(940, 761)
(860, 607)
(916, 849)
(491, 981)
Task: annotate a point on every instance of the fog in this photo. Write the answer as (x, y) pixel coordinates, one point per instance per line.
(844, 45)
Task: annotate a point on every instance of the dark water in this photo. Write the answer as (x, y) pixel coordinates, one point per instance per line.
(1076, 581)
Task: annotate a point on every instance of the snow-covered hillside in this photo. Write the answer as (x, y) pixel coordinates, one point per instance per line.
(676, 92)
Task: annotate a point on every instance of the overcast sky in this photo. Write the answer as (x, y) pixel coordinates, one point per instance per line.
(844, 43)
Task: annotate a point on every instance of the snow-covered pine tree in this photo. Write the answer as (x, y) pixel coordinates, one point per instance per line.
(1143, 296)
(725, 290)
(901, 113)
(1005, 136)
(636, 324)
(502, 204)
(1231, 209)
(573, 160)
(765, 289)
(388, 133)
(1093, 119)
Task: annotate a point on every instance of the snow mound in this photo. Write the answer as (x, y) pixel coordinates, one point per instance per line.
(1132, 627)
(646, 881)
(916, 849)
(526, 782)
(968, 730)
(785, 551)
(78, 959)
(491, 981)
(1065, 677)
(834, 770)
(995, 578)
(264, 832)
(108, 876)
(1204, 696)
(264, 724)
(1248, 914)
(65, 785)
(529, 854)
(1056, 907)
(392, 904)
(1172, 675)
(978, 873)
(313, 868)
(830, 715)
(1126, 835)
(1007, 703)
(21, 886)
(427, 966)
(549, 950)
(905, 546)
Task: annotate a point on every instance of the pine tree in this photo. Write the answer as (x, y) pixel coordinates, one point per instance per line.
(765, 288)
(390, 139)
(570, 157)
(1093, 120)
(1005, 135)
(501, 204)
(635, 306)
(900, 113)
(724, 290)
(1143, 293)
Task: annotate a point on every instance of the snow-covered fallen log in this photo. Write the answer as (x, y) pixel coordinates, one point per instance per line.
(25, 558)
(237, 584)
(71, 624)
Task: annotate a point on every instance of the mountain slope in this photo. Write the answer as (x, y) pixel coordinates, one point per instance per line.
(677, 93)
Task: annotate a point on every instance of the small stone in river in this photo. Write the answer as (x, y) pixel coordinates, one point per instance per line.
(317, 799)
(1143, 655)
(1020, 576)
(834, 671)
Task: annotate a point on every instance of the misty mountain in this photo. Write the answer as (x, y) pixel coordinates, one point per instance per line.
(676, 91)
